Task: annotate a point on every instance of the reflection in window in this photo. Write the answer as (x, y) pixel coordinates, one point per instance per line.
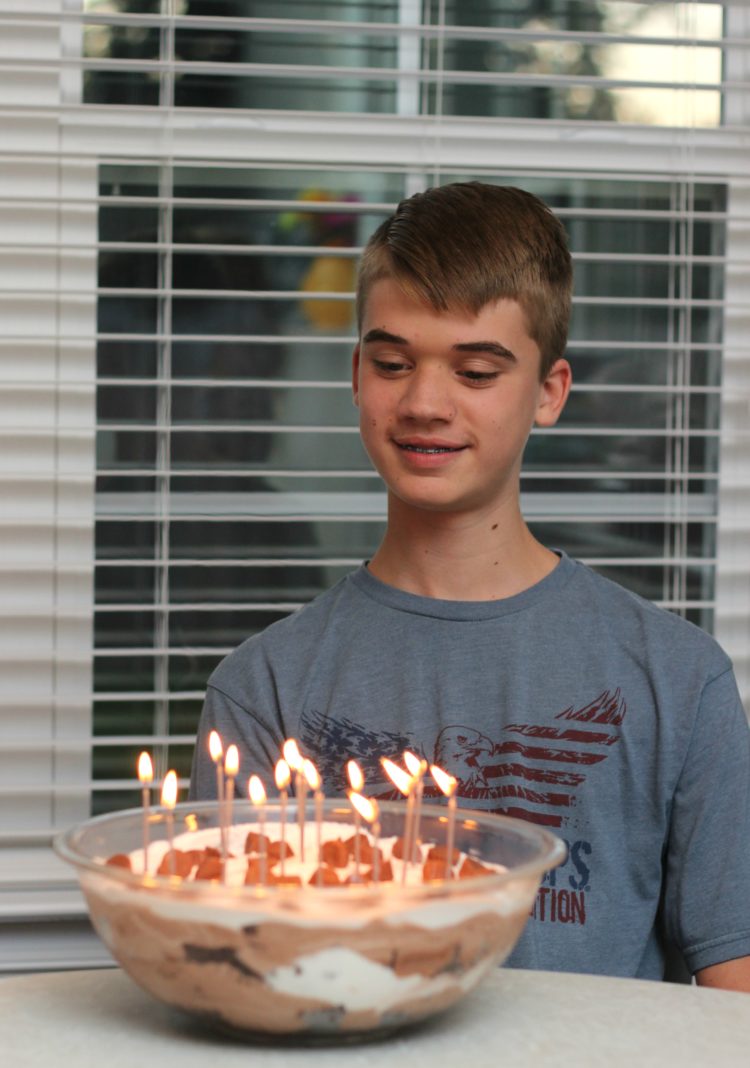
(649, 63)
(224, 402)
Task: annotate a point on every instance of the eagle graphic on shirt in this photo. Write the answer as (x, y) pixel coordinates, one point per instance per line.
(532, 771)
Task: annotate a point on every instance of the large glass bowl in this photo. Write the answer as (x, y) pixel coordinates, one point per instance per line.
(308, 962)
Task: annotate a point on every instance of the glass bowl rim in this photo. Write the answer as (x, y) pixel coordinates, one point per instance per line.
(552, 851)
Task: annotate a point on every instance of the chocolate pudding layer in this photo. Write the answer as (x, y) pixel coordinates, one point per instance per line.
(286, 977)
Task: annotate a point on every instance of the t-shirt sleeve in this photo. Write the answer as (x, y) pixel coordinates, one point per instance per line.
(707, 903)
(258, 743)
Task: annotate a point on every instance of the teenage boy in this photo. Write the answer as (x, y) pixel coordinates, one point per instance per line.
(550, 693)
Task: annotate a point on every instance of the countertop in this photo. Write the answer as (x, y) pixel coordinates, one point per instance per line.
(514, 1018)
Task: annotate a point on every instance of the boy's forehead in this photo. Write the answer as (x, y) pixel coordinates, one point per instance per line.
(390, 310)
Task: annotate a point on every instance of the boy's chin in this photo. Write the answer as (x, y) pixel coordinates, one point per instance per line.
(432, 503)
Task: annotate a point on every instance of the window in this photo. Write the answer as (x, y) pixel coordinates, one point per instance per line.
(184, 192)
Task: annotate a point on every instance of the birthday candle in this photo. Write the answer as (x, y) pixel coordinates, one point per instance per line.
(169, 800)
(417, 769)
(145, 777)
(368, 809)
(257, 793)
(403, 782)
(216, 752)
(231, 768)
(356, 782)
(447, 784)
(282, 776)
(293, 757)
(313, 781)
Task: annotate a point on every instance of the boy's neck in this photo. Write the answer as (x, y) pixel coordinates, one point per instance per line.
(459, 557)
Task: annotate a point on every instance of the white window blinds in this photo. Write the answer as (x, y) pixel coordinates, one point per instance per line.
(184, 189)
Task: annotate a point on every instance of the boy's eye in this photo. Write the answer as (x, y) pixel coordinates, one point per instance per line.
(480, 376)
(390, 366)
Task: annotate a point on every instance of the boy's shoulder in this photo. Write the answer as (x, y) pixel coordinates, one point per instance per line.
(289, 643)
(635, 620)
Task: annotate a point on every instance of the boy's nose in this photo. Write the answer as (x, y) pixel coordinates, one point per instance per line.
(427, 397)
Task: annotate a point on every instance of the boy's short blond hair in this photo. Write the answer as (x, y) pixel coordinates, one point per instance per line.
(460, 246)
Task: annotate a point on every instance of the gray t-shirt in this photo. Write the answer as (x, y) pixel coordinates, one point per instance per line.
(574, 704)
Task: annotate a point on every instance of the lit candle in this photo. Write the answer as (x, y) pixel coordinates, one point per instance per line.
(282, 776)
(231, 767)
(404, 783)
(293, 757)
(313, 781)
(367, 808)
(145, 777)
(417, 768)
(447, 784)
(169, 800)
(356, 782)
(257, 794)
(216, 752)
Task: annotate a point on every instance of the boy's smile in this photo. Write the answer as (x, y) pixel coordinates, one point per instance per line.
(447, 399)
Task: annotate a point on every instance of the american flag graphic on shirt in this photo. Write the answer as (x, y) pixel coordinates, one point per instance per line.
(532, 771)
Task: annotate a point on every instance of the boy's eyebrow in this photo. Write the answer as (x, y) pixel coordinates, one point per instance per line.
(494, 348)
(377, 334)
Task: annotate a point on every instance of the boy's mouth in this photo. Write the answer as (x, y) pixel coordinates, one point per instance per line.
(429, 448)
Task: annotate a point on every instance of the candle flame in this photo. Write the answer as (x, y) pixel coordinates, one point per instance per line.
(169, 790)
(145, 768)
(401, 779)
(232, 761)
(311, 774)
(445, 782)
(367, 808)
(256, 790)
(282, 774)
(215, 748)
(355, 776)
(414, 764)
(292, 755)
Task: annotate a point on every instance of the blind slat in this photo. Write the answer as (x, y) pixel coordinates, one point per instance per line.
(20, 17)
(374, 74)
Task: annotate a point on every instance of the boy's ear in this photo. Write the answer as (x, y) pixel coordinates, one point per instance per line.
(355, 376)
(553, 393)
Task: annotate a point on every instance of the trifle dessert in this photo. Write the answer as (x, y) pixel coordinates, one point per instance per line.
(266, 930)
